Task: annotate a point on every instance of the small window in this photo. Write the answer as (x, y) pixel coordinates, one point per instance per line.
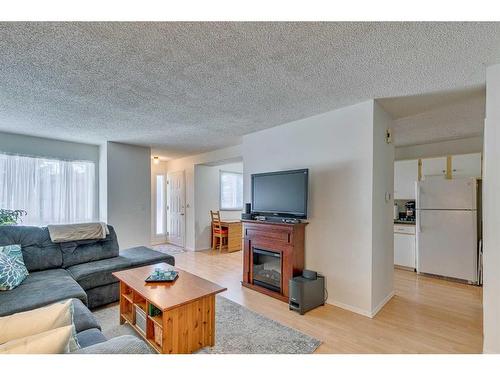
(160, 204)
(231, 191)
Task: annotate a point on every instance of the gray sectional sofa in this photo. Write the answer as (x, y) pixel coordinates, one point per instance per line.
(80, 270)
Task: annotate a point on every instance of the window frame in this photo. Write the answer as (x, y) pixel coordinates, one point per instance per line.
(221, 172)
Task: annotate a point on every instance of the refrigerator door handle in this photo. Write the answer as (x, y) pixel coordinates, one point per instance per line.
(419, 221)
(417, 194)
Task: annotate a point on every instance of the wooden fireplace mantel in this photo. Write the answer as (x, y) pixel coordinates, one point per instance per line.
(284, 238)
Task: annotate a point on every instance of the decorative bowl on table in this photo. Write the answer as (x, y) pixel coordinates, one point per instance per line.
(161, 275)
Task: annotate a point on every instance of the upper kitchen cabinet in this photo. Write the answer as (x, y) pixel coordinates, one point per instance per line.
(434, 167)
(405, 175)
(468, 165)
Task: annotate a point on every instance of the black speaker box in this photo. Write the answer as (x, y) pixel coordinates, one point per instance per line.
(306, 292)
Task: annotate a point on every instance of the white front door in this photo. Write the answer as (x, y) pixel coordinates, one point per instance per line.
(176, 208)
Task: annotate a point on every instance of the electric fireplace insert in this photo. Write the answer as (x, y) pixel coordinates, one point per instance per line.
(267, 269)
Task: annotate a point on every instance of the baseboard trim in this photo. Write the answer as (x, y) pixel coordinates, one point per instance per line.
(357, 310)
(205, 249)
(379, 307)
(351, 308)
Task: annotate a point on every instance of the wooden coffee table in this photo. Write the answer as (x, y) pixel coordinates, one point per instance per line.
(179, 316)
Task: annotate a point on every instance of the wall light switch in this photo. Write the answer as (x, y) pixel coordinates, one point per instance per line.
(388, 135)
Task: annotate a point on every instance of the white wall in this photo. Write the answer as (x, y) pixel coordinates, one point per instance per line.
(338, 148)
(382, 219)
(129, 193)
(455, 147)
(207, 190)
(491, 208)
(103, 183)
(52, 149)
(187, 165)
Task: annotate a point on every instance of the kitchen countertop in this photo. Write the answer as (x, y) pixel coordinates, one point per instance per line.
(403, 222)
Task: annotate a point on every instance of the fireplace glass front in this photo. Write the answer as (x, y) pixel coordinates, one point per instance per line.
(267, 269)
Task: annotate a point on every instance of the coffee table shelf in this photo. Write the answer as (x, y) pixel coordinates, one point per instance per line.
(128, 316)
(128, 297)
(157, 320)
(187, 306)
(142, 305)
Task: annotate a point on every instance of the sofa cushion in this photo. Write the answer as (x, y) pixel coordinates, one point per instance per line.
(142, 256)
(78, 252)
(42, 319)
(83, 319)
(103, 295)
(54, 341)
(93, 274)
(39, 289)
(39, 252)
(90, 337)
(126, 344)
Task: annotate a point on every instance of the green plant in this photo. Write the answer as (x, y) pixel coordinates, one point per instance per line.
(11, 217)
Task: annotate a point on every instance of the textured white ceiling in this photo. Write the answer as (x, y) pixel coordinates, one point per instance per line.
(193, 87)
(437, 117)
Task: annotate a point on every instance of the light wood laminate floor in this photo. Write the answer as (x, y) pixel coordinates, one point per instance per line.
(426, 315)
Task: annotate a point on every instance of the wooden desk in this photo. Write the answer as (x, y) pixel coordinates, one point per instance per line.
(234, 235)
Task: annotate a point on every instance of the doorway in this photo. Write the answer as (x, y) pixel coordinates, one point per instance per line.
(176, 208)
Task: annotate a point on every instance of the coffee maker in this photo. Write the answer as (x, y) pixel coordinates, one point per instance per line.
(410, 210)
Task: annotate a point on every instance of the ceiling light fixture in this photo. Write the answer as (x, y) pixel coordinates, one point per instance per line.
(156, 160)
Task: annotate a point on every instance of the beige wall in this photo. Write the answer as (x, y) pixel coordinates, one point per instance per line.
(129, 193)
(339, 148)
(491, 209)
(382, 211)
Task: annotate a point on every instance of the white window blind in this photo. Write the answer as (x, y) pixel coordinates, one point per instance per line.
(50, 191)
(231, 191)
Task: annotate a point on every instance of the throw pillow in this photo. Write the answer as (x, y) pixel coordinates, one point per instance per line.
(29, 323)
(55, 341)
(12, 268)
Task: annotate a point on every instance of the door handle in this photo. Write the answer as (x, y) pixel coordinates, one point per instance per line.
(182, 214)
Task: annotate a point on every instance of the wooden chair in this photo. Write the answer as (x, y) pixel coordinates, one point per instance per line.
(218, 232)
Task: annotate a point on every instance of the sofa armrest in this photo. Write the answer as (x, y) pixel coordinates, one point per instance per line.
(126, 344)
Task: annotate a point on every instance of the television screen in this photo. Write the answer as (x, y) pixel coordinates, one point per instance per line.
(280, 193)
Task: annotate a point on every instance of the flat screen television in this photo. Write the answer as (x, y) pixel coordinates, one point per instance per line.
(280, 194)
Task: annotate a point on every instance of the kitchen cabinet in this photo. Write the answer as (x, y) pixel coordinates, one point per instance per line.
(434, 167)
(467, 165)
(405, 246)
(405, 175)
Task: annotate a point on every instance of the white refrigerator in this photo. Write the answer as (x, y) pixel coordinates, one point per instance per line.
(446, 213)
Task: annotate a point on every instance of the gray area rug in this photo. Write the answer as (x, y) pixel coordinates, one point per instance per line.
(238, 331)
(169, 249)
